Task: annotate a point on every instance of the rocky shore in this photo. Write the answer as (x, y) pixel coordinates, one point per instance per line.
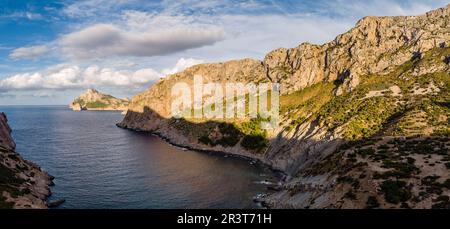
(178, 140)
(23, 184)
(363, 118)
(175, 139)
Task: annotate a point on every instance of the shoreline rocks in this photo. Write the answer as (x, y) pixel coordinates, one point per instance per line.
(23, 184)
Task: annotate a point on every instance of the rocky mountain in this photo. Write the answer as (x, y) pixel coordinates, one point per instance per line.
(364, 118)
(23, 184)
(95, 100)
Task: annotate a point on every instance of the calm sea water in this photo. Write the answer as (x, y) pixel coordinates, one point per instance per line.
(98, 165)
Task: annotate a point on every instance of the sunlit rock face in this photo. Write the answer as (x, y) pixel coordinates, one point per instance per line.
(95, 100)
(374, 45)
(362, 87)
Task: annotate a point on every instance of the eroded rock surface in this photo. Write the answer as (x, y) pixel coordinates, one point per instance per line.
(23, 184)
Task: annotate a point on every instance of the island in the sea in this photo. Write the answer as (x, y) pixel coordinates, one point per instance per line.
(95, 100)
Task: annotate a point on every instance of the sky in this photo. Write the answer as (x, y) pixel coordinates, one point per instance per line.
(51, 51)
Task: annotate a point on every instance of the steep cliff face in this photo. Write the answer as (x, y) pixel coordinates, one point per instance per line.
(23, 184)
(362, 90)
(374, 45)
(95, 100)
(5, 133)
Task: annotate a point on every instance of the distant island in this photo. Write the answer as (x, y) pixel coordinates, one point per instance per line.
(95, 100)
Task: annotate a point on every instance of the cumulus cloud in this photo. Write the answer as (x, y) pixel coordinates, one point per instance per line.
(43, 94)
(62, 76)
(181, 64)
(104, 40)
(68, 77)
(138, 33)
(29, 52)
(174, 26)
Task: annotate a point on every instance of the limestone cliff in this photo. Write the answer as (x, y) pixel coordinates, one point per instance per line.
(350, 111)
(95, 100)
(23, 184)
(374, 45)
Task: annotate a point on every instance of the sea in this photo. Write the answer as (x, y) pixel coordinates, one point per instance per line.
(97, 165)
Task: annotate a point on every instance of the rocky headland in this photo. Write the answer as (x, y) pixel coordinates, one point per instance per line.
(365, 118)
(23, 184)
(95, 100)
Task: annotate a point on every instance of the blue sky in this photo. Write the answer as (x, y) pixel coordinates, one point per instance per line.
(51, 51)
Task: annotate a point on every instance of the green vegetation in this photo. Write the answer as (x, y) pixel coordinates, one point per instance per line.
(96, 104)
(399, 133)
(230, 134)
(395, 191)
(254, 138)
(362, 117)
(252, 142)
(400, 169)
(350, 180)
(441, 202)
(350, 195)
(9, 183)
(8, 177)
(432, 186)
(205, 140)
(79, 101)
(300, 105)
(4, 204)
(372, 202)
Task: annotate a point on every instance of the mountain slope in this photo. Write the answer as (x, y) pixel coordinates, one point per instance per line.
(394, 152)
(95, 100)
(384, 82)
(23, 184)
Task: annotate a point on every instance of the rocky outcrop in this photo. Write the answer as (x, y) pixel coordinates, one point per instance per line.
(5, 133)
(374, 45)
(95, 100)
(357, 88)
(23, 184)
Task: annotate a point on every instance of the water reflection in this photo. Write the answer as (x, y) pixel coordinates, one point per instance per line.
(98, 165)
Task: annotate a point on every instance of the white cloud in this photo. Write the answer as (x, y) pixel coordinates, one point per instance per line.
(95, 76)
(29, 52)
(93, 8)
(67, 77)
(43, 94)
(152, 35)
(63, 76)
(180, 26)
(181, 65)
(23, 14)
(105, 40)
